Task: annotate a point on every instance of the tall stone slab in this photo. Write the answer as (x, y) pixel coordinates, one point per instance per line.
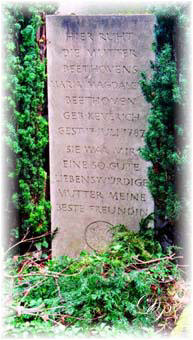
(97, 120)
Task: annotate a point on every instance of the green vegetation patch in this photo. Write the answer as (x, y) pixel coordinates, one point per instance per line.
(122, 289)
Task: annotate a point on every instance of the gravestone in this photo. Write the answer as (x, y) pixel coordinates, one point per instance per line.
(97, 120)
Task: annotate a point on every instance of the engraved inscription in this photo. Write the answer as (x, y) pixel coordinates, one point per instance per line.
(131, 153)
(80, 84)
(122, 181)
(101, 209)
(100, 195)
(100, 68)
(91, 100)
(120, 116)
(107, 36)
(97, 123)
(123, 165)
(73, 131)
(98, 234)
(100, 52)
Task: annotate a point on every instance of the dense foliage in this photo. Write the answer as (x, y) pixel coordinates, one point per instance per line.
(127, 287)
(27, 130)
(131, 286)
(164, 139)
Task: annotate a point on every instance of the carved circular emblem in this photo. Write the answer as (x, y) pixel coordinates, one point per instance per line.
(98, 234)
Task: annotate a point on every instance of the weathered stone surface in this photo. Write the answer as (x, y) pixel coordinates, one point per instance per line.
(97, 119)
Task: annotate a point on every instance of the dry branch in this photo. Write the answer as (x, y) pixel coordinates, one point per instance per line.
(26, 240)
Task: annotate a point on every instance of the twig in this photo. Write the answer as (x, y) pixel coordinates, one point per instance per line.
(22, 310)
(27, 263)
(155, 260)
(19, 310)
(141, 298)
(57, 307)
(48, 274)
(30, 274)
(26, 240)
(39, 283)
(58, 288)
